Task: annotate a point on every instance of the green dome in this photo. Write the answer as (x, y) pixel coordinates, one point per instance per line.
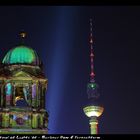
(21, 55)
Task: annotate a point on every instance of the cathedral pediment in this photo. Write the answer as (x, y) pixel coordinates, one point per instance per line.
(21, 74)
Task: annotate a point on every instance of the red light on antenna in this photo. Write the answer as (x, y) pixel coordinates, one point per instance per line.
(91, 41)
(91, 55)
(92, 74)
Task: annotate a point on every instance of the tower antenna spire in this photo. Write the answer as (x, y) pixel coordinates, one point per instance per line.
(92, 43)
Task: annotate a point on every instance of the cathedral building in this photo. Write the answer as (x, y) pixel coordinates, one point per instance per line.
(22, 92)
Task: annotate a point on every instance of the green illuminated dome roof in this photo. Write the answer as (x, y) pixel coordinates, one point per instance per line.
(21, 55)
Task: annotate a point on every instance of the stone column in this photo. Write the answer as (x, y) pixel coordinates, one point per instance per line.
(1, 96)
(14, 88)
(34, 98)
(43, 95)
(34, 119)
(5, 118)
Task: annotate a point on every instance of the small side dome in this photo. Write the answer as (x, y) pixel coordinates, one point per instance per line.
(21, 55)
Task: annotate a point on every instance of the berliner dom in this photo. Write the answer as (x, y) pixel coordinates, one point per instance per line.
(22, 92)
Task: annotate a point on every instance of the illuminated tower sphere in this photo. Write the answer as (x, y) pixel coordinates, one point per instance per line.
(93, 110)
(22, 92)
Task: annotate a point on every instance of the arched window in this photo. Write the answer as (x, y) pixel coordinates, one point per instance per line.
(8, 91)
(20, 100)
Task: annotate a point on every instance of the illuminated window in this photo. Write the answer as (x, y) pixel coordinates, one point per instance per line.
(8, 89)
(19, 97)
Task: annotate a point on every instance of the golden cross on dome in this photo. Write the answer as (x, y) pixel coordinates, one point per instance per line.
(22, 34)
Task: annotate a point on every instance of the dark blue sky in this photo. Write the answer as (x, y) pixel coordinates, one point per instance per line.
(60, 35)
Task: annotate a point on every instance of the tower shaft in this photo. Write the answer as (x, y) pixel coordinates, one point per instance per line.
(93, 125)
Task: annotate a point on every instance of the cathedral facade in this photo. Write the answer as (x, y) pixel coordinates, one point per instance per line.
(22, 93)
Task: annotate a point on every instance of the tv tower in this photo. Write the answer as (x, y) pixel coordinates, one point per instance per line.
(93, 110)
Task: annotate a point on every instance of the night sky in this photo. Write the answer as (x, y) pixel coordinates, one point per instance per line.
(60, 36)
